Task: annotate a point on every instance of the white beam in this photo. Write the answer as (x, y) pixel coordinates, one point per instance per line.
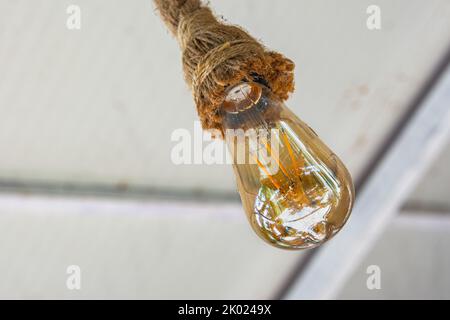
(94, 205)
(424, 220)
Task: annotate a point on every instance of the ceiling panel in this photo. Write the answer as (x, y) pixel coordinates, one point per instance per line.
(126, 252)
(412, 260)
(97, 106)
(433, 191)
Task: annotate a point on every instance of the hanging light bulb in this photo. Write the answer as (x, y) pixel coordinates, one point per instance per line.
(295, 191)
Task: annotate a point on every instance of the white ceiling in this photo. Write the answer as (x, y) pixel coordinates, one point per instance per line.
(434, 189)
(128, 254)
(418, 270)
(96, 107)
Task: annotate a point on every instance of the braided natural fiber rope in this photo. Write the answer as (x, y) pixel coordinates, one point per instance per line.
(217, 56)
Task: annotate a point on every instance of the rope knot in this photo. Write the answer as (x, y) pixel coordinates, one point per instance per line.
(217, 56)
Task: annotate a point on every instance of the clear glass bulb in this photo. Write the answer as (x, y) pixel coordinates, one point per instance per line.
(295, 191)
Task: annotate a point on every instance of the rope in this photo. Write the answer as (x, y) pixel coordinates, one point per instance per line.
(217, 56)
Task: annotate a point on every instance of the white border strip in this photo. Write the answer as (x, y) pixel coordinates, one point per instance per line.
(45, 205)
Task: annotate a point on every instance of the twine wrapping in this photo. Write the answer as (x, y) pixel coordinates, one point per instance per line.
(217, 56)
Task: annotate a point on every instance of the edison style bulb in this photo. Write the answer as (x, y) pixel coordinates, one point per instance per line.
(295, 191)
